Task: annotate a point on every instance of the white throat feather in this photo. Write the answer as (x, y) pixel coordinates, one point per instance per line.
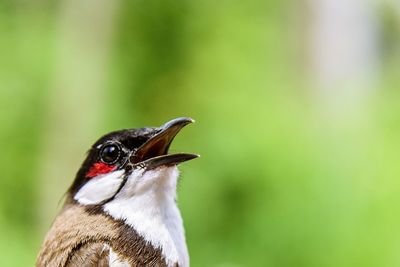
(147, 203)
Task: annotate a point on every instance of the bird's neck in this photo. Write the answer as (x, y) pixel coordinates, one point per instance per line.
(155, 216)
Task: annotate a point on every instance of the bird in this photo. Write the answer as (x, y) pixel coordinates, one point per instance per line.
(121, 209)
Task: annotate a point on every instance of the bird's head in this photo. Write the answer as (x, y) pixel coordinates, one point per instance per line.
(129, 162)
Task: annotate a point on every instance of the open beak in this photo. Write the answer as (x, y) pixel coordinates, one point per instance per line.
(154, 152)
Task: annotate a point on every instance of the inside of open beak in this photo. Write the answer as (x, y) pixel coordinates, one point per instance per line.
(154, 151)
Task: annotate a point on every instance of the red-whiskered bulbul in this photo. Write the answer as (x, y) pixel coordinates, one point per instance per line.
(121, 208)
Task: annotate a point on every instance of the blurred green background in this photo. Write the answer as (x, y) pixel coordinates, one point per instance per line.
(297, 107)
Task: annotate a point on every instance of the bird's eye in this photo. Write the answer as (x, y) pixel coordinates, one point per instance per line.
(110, 153)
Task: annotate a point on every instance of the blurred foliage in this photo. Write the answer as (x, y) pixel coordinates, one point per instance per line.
(279, 183)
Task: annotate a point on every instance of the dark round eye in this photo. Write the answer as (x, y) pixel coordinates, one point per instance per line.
(110, 153)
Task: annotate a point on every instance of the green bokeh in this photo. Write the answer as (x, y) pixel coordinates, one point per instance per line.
(279, 182)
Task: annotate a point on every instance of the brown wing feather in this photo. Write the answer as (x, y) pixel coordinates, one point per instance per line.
(73, 229)
(77, 238)
(90, 255)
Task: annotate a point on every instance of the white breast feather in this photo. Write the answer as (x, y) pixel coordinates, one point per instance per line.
(115, 261)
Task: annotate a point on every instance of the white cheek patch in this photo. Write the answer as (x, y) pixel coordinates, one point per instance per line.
(100, 188)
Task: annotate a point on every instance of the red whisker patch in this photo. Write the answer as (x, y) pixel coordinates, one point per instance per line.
(100, 168)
